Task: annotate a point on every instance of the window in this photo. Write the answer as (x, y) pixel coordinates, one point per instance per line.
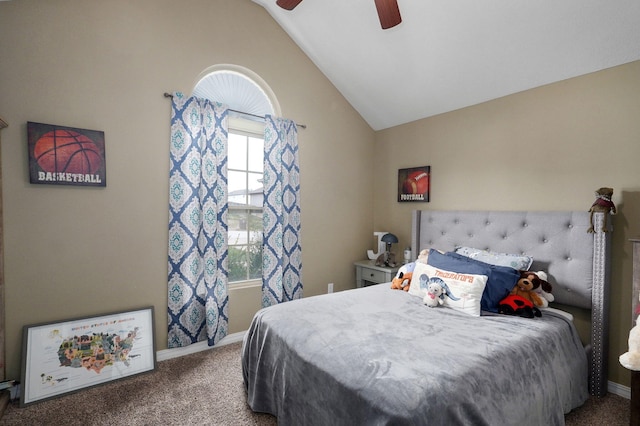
(244, 173)
(242, 90)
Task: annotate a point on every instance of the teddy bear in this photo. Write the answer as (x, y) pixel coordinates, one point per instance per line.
(434, 296)
(631, 359)
(525, 287)
(604, 204)
(544, 289)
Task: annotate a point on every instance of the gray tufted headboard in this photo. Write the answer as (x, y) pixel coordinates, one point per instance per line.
(577, 262)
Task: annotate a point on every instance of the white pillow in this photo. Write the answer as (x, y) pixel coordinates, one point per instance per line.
(515, 261)
(464, 291)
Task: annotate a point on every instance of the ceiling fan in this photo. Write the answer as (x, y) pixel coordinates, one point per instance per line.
(388, 11)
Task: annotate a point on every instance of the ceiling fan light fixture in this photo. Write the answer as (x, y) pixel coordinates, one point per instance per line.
(388, 12)
(288, 4)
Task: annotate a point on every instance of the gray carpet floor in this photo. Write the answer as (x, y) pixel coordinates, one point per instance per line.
(206, 388)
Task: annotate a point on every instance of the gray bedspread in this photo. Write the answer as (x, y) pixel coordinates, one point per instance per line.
(376, 356)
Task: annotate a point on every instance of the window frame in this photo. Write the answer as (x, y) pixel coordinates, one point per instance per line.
(250, 128)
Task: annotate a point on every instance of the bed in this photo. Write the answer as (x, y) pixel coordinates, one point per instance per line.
(379, 356)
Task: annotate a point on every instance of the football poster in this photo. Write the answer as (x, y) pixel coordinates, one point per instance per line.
(414, 184)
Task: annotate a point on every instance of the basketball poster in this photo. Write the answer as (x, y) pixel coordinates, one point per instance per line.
(414, 184)
(61, 155)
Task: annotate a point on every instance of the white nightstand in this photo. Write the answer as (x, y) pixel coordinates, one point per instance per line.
(367, 273)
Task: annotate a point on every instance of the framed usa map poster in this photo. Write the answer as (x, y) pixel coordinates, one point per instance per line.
(63, 357)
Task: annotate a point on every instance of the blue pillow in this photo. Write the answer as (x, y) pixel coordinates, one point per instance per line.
(500, 282)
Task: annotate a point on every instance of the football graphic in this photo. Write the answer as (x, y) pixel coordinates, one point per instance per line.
(417, 182)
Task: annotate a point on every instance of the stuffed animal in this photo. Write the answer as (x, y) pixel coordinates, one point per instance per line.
(604, 204)
(387, 259)
(402, 280)
(423, 256)
(426, 282)
(525, 287)
(631, 359)
(544, 289)
(518, 306)
(434, 296)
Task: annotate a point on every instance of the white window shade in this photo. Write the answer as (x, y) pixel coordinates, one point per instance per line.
(232, 86)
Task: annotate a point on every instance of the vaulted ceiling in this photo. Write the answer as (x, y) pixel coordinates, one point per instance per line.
(449, 54)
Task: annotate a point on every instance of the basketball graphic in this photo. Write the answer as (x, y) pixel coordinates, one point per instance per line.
(67, 151)
(61, 155)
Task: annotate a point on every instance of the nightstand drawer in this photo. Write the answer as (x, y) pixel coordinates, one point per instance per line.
(373, 275)
(367, 273)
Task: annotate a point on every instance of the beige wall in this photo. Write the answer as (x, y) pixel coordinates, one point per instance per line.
(543, 149)
(104, 65)
(72, 251)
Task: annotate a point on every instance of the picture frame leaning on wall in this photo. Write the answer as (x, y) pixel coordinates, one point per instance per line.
(63, 357)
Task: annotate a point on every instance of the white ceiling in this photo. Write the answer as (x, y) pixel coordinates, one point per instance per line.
(449, 54)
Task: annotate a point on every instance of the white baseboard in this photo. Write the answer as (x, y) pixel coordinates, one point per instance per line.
(198, 347)
(619, 390)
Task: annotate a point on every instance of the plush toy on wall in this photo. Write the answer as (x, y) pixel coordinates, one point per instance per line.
(604, 204)
(631, 359)
(434, 296)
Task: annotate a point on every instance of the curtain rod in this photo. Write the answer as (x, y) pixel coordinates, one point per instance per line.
(304, 126)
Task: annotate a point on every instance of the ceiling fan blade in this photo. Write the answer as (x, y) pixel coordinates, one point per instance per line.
(388, 13)
(288, 4)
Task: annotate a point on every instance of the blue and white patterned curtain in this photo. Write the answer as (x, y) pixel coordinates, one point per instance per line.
(282, 252)
(198, 293)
